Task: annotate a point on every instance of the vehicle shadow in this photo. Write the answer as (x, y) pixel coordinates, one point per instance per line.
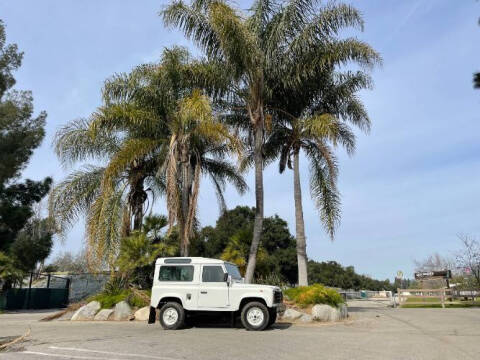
(222, 321)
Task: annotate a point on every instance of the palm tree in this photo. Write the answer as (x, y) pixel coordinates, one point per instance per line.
(260, 49)
(199, 144)
(311, 118)
(137, 133)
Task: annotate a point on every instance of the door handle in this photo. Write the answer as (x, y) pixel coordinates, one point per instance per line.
(203, 292)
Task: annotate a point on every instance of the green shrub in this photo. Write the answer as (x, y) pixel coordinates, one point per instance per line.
(313, 294)
(108, 301)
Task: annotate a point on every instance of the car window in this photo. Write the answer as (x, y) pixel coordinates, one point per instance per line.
(233, 271)
(176, 273)
(212, 274)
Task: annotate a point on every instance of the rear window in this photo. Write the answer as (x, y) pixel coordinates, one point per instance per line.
(176, 273)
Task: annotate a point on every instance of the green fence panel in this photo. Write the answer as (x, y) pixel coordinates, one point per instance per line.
(34, 298)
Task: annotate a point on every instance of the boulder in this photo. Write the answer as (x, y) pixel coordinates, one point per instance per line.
(86, 312)
(291, 314)
(142, 314)
(305, 318)
(322, 312)
(103, 315)
(122, 311)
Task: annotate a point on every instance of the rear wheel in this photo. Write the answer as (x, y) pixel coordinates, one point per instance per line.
(172, 316)
(255, 316)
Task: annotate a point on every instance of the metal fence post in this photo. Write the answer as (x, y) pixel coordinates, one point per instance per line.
(48, 280)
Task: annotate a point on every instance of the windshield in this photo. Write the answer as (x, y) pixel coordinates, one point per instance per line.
(232, 270)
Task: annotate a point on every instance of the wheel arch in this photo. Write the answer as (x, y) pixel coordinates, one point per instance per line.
(249, 299)
(166, 299)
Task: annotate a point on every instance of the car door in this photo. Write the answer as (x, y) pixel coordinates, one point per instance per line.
(213, 291)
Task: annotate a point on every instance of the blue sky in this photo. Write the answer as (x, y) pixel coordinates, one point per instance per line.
(412, 185)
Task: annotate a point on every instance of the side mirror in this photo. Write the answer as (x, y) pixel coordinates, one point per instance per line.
(225, 277)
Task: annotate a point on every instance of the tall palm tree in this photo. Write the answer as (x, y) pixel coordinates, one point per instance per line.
(312, 118)
(259, 49)
(132, 134)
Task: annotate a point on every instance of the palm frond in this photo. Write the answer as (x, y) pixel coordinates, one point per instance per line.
(73, 143)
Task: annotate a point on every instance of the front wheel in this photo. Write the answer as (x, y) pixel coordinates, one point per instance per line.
(172, 316)
(255, 316)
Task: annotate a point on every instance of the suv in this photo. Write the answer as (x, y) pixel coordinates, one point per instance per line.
(193, 284)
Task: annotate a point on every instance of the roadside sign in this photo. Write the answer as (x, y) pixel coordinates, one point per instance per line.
(425, 275)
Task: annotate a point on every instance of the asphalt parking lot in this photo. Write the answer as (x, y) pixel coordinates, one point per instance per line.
(374, 332)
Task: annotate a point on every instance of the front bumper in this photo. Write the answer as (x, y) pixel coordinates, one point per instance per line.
(280, 308)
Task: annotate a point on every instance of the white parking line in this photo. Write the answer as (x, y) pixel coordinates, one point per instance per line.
(66, 356)
(112, 353)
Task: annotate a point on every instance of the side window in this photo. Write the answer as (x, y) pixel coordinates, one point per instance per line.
(176, 273)
(212, 274)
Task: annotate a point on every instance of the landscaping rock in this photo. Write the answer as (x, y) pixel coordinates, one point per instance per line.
(87, 312)
(122, 311)
(291, 314)
(324, 313)
(103, 315)
(305, 318)
(142, 314)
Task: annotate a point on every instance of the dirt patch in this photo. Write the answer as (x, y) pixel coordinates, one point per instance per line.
(59, 314)
(8, 342)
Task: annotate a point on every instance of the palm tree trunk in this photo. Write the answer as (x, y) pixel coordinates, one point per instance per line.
(137, 199)
(258, 225)
(186, 182)
(299, 223)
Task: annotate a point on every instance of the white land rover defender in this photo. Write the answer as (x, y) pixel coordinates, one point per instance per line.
(190, 284)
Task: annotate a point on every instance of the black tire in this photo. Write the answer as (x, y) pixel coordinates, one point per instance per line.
(176, 321)
(273, 316)
(247, 321)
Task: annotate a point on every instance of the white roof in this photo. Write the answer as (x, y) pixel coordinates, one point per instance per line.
(183, 260)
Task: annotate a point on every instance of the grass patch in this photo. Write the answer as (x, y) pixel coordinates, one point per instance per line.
(313, 294)
(436, 306)
(425, 300)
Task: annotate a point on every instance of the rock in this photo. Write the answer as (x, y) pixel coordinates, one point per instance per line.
(122, 311)
(324, 313)
(87, 312)
(305, 318)
(103, 315)
(142, 314)
(291, 314)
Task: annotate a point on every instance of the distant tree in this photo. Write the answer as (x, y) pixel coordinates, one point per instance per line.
(21, 239)
(333, 274)
(69, 262)
(231, 238)
(33, 244)
(468, 258)
(20, 134)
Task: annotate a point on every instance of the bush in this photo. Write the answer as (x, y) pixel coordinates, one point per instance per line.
(314, 294)
(108, 300)
(116, 290)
